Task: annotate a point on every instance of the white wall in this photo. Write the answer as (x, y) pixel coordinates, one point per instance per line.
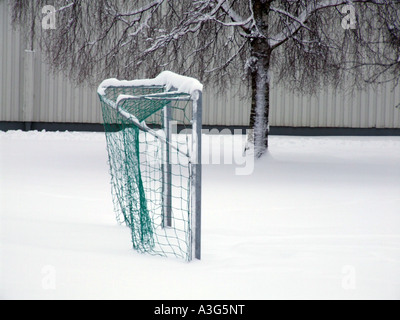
(28, 92)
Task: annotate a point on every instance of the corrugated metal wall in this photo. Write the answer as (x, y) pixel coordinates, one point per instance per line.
(28, 92)
(373, 108)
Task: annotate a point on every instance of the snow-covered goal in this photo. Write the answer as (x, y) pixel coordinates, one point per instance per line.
(156, 171)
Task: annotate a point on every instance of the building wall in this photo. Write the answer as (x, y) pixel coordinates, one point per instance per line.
(30, 93)
(372, 108)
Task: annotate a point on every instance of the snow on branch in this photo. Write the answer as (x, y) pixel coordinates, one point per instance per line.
(66, 6)
(287, 14)
(142, 9)
(312, 8)
(237, 20)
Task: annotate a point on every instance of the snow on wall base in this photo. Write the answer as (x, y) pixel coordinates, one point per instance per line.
(274, 130)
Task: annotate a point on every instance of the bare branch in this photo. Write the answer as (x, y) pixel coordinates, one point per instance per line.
(311, 9)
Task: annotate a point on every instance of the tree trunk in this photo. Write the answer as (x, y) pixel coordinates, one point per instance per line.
(260, 80)
(259, 117)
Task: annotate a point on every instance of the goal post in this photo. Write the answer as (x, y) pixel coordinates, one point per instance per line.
(196, 169)
(166, 169)
(156, 171)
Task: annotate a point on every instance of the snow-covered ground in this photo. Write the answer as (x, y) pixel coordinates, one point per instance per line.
(318, 218)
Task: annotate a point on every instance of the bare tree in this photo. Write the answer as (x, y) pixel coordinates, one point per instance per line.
(302, 43)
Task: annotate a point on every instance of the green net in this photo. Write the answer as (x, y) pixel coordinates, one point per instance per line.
(149, 166)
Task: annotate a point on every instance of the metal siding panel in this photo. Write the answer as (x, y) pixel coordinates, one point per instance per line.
(344, 114)
(383, 106)
(215, 108)
(89, 106)
(65, 114)
(3, 60)
(372, 100)
(206, 109)
(61, 99)
(237, 115)
(5, 65)
(51, 105)
(226, 115)
(285, 101)
(379, 110)
(337, 109)
(212, 107)
(296, 110)
(306, 110)
(54, 105)
(79, 103)
(347, 100)
(363, 112)
(219, 111)
(289, 109)
(44, 93)
(389, 113)
(230, 108)
(98, 109)
(226, 103)
(14, 75)
(60, 102)
(396, 102)
(302, 114)
(322, 108)
(68, 110)
(331, 108)
(10, 69)
(280, 102)
(92, 104)
(84, 106)
(286, 107)
(273, 105)
(314, 111)
(95, 107)
(281, 110)
(233, 110)
(280, 107)
(301, 104)
(245, 105)
(37, 89)
(391, 107)
(355, 110)
(396, 94)
(28, 86)
(337, 102)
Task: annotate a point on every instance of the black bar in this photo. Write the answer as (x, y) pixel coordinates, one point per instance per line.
(274, 130)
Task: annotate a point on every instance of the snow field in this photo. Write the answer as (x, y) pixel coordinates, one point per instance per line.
(319, 217)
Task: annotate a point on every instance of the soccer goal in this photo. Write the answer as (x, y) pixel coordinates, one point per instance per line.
(153, 133)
